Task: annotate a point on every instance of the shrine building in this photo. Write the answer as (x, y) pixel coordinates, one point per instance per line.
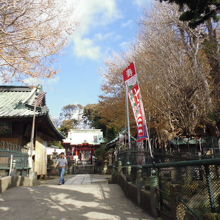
(81, 144)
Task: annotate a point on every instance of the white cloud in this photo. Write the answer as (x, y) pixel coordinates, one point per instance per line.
(39, 81)
(101, 37)
(90, 14)
(117, 37)
(106, 36)
(127, 23)
(52, 81)
(32, 81)
(95, 12)
(85, 47)
(142, 3)
(125, 44)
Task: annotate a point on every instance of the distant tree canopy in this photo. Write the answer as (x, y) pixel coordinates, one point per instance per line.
(93, 116)
(198, 11)
(67, 125)
(68, 111)
(100, 153)
(75, 116)
(69, 117)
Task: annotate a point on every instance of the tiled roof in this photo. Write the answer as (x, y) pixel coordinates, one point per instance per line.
(18, 101)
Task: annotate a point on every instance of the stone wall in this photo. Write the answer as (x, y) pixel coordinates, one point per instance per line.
(13, 181)
(143, 198)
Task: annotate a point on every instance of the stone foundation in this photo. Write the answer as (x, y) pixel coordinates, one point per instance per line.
(13, 181)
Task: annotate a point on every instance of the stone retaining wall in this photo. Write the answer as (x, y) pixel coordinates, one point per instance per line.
(13, 181)
(143, 198)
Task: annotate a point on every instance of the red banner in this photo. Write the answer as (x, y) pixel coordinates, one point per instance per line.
(129, 72)
(130, 78)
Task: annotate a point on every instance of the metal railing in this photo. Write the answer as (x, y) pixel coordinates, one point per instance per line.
(13, 158)
(9, 146)
(185, 189)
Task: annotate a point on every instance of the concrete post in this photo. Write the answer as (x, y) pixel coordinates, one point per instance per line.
(11, 162)
(105, 167)
(129, 171)
(153, 179)
(119, 167)
(139, 183)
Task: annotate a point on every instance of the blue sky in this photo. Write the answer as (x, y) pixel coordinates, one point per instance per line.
(105, 27)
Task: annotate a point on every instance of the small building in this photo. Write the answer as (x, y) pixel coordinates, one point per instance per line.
(81, 144)
(17, 108)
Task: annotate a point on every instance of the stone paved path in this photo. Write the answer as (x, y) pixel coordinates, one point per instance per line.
(87, 179)
(83, 197)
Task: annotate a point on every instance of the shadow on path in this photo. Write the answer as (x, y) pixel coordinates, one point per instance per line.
(78, 202)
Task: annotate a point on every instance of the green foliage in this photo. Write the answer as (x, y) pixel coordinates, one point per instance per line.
(198, 11)
(67, 125)
(93, 116)
(214, 116)
(187, 16)
(66, 117)
(69, 110)
(57, 144)
(100, 153)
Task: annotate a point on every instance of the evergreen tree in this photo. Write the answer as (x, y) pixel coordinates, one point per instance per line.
(198, 11)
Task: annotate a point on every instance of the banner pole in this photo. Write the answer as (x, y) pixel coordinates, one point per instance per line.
(128, 118)
(149, 144)
(148, 135)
